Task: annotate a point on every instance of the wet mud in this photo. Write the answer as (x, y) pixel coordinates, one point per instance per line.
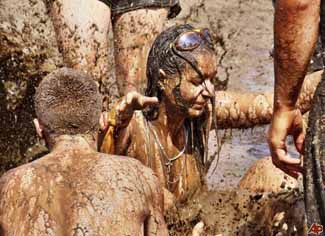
(240, 212)
(27, 53)
(243, 33)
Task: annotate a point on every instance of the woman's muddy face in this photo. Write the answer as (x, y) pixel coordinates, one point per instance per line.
(194, 91)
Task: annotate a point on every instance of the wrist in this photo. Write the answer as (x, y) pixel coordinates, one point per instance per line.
(281, 106)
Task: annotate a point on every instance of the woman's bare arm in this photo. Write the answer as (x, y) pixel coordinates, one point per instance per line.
(244, 110)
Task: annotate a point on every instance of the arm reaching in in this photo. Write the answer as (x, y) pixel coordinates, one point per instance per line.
(119, 118)
(295, 35)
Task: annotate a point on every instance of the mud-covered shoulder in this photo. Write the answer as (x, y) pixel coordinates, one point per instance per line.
(26, 178)
(11, 178)
(14, 184)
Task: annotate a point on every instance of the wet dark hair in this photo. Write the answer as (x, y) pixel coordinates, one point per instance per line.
(67, 101)
(162, 56)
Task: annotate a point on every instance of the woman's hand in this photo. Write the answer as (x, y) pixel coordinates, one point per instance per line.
(126, 107)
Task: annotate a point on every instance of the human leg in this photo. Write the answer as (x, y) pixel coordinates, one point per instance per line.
(134, 33)
(81, 28)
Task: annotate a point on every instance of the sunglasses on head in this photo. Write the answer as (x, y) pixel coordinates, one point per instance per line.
(190, 40)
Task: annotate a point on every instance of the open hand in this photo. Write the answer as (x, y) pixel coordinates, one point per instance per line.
(135, 101)
(286, 123)
(128, 104)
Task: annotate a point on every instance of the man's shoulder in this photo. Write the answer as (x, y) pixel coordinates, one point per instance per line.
(128, 164)
(21, 177)
(12, 180)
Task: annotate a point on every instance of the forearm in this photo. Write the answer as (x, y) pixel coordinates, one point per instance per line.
(244, 110)
(81, 28)
(295, 33)
(115, 137)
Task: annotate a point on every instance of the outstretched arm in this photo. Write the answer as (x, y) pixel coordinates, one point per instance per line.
(115, 122)
(81, 28)
(244, 110)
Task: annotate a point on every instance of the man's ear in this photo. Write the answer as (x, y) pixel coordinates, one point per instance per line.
(38, 128)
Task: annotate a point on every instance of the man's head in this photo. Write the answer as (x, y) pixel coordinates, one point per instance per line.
(67, 102)
(181, 65)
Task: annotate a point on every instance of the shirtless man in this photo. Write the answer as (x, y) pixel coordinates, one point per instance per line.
(82, 28)
(74, 190)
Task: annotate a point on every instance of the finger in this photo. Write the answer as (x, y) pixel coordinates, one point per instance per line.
(285, 158)
(147, 101)
(287, 169)
(299, 142)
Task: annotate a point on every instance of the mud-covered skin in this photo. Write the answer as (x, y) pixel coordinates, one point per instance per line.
(263, 177)
(134, 33)
(240, 212)
(314, 160)
(296, 33)
(82, 33)
(136, 138)
(28, 51)
(295, 36)
(233, 110)
(123, 6)
(77, 191)
(141, 139)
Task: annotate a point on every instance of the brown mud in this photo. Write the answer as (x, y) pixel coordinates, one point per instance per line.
(243, 33)
(242, 30)
(240, 213)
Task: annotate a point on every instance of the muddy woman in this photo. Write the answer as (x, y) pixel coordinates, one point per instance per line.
(170, 135)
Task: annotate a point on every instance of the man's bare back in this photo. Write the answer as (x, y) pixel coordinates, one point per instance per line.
(77, 191)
